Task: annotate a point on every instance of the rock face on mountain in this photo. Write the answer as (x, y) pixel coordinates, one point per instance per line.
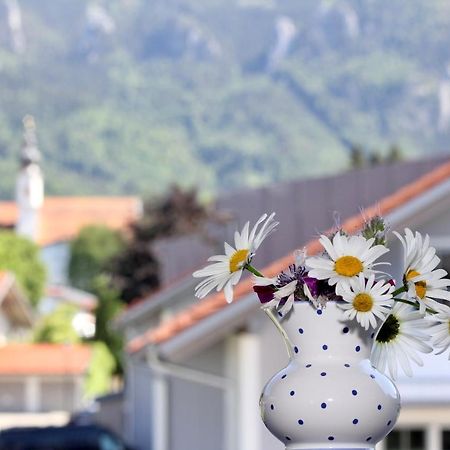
(130, 94)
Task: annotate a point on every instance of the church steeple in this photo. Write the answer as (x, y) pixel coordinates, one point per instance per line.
(30, 182)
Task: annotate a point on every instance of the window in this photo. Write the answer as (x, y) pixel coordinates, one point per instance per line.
(406, 439)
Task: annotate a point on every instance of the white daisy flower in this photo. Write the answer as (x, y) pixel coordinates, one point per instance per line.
(399, 340)
(284, 292)
(287, 292)
(365, 300)
(425, 283)
(440, 332)
(348, 257)
(227, 269)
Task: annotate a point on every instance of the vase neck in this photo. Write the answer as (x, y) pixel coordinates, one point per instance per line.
(325, 334)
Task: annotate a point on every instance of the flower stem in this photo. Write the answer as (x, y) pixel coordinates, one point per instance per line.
(408, 302)
(399, 291)
(254, 271)
(272, 316)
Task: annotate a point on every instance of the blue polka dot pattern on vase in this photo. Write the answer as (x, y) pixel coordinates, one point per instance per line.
(355, 421)
(300, 422)
(357, 348)
(347, 365)
(281, 315)
(284, 376)
(325, 347)
(292, 393)
(354, 392)
(319, 312)
(322, 374)
(296, 349)
(272, 407)
(323, 405)
(389, 423)
(331, 438)
(372, 376)
(300, 330)
(345, 330)
(308, 366)
(288, 438)
(372, 335)
(369, 438)
(379, 407)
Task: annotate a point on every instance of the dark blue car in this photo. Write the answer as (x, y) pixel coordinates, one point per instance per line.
(90, 437)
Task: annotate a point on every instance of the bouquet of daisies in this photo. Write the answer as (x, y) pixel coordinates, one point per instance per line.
(414, 312)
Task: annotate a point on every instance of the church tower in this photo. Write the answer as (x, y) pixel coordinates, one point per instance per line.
(30, 183)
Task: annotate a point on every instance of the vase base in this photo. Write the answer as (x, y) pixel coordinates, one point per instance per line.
(309, 447)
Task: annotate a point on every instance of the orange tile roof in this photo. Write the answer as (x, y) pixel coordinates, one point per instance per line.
(216, 302)
(61, 218)
(44, 359)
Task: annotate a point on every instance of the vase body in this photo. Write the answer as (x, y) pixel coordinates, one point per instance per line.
(329, 395)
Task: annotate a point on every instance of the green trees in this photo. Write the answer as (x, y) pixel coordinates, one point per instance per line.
(92, 256)
(170, 108)
(98, 380)
(91, 253)
(56, 327)
(108, 306)
(21, 256)
(362, 157)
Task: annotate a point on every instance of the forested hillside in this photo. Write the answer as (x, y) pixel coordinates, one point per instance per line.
(130, 95)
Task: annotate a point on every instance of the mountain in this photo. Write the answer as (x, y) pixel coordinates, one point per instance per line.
(131, 95)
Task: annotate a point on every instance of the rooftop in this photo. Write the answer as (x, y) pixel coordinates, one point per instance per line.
(44, 359)
(61, 218)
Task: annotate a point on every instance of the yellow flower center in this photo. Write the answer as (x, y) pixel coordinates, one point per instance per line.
(236, 260)
(421, 286)
(348, 266)
(363, 302)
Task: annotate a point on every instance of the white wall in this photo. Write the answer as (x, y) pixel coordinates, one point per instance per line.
(56, 258)
(138, 413)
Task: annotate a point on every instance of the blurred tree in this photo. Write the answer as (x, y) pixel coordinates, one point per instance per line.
(357, 157)
(101, 368)
(375, 158)
(108, 306)
(91, 252)
(136, 270)
(179, 212)
(21, 256)
(56, 327)
(395, 154)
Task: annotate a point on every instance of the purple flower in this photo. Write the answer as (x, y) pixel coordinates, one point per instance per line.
(264, 293)
(319, 289)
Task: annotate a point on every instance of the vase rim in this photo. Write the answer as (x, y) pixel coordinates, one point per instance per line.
(333, 300)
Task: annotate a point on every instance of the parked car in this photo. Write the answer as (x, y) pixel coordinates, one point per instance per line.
(70, 437)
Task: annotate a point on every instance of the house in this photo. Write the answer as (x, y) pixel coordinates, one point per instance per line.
(195, 369)
(52, 222)
(16, 315)
(41, 384)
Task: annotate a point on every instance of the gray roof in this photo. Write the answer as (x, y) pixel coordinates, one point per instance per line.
(304, 208)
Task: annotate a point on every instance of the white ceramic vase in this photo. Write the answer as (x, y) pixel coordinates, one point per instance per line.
(329, 395)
